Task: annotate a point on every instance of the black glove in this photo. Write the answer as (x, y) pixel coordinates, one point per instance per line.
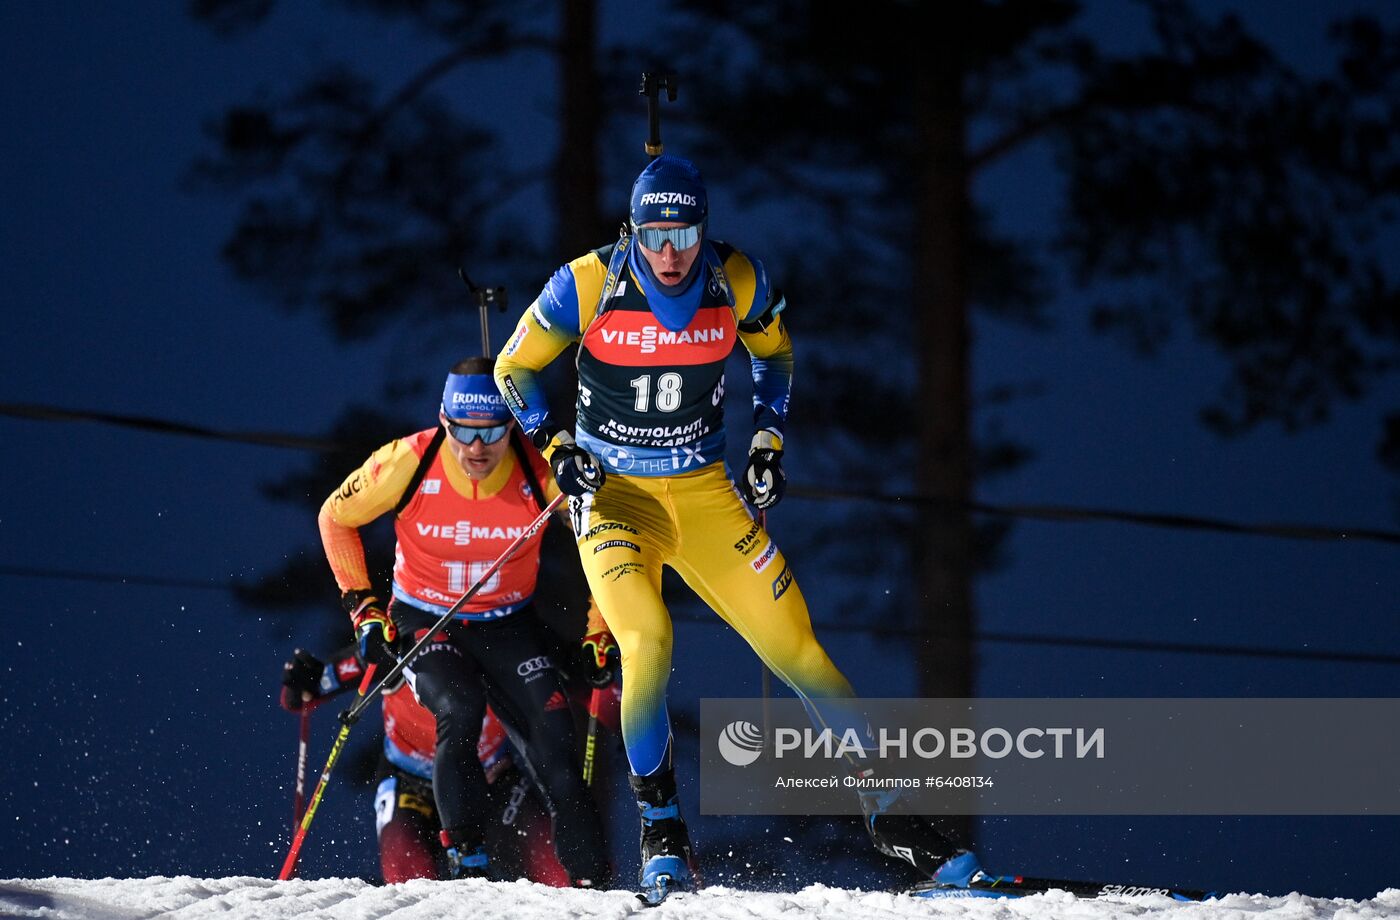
(373, 628)
(763, 483)
(599, 659)
(575, 469)
(301, 680)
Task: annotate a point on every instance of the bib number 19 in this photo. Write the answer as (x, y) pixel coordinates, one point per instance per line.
(459, 572)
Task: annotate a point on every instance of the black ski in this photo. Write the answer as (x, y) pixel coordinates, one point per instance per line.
(984, 885)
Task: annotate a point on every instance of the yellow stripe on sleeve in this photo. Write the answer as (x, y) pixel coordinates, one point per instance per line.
(366, 494)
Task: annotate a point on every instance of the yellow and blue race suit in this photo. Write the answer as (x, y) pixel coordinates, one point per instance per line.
(650, 408)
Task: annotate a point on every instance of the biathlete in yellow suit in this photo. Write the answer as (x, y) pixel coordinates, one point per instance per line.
(655, 316)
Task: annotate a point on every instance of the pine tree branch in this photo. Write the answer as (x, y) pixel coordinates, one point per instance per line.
(1024, 132)
(444, 65)
(420, 83)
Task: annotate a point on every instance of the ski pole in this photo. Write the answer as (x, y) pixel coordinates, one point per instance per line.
(765, 675)
(350, 716)
(289, 866)
(590, 745)
(529, 532)
(302, 747)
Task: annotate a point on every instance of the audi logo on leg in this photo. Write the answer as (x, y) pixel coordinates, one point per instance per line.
(529, 667)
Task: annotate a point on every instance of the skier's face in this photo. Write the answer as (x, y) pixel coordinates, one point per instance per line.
(477, 459)
(671, 265)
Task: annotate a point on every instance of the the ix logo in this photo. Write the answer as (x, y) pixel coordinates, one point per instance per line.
(740, 743)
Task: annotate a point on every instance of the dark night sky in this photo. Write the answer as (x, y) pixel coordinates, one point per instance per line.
(142, 733)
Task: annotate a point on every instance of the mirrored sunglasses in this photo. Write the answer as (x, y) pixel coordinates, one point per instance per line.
(465, 434)
(654, 238)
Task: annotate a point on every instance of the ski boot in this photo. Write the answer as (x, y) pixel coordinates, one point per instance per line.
(465, 860)
(912, 838)
(665, 840)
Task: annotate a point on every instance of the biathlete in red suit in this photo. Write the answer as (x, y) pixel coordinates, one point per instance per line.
(461, 494)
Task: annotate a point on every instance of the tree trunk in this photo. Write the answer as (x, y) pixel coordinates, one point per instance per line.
(944, 563)
(576, 172)
(944, 552)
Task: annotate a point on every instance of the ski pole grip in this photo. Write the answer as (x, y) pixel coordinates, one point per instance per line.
(352, 715)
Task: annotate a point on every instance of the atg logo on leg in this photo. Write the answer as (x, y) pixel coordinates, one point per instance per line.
(740, 743)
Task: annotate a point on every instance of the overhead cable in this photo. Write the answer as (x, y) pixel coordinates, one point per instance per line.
(906, 632)
(1041, 512)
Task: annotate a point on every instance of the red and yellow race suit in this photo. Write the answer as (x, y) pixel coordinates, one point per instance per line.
(449, 534)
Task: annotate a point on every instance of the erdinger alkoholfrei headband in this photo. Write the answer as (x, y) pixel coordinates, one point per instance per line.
(473, 397)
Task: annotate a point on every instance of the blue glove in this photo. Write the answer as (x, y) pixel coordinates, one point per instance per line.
(764, 483)
(575, 469)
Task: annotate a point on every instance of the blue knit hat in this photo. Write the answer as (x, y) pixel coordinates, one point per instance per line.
(669, 189)
(473, 397)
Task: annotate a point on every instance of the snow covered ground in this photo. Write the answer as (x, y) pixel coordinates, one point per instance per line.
(187, 898)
